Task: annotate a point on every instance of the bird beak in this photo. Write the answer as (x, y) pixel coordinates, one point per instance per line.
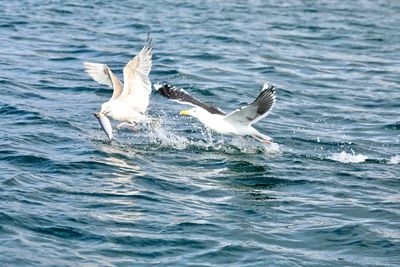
(184, 113)
(99, 114)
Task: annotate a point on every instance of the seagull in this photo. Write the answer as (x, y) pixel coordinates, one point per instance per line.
(238, 122)
(129, 101)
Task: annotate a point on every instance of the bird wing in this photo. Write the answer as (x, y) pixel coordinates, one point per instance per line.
(137, 85)
(101, 73)
(257, 110)
(183, 97)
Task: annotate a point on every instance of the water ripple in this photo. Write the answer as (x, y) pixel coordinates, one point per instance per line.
(324, 194)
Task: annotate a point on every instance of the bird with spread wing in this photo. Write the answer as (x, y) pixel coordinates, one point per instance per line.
(129, 101)
(238, 122)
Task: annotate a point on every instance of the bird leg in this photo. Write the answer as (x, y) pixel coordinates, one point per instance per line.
(262, 140)
(122, 124)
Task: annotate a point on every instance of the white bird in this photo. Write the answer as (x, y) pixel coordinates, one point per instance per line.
(238, 122)
(129, 101)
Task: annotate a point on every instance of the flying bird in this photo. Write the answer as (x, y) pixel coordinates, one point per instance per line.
(238, 122)
(129, 101)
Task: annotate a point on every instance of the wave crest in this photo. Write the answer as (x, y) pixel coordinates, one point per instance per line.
(394, 160)
(345, 157)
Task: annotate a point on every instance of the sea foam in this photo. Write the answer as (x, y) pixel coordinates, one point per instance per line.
(394, 160)
(348, 157)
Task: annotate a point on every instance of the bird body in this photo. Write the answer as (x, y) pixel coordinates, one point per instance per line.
(122, 111)
(219, 124)
(216, 122)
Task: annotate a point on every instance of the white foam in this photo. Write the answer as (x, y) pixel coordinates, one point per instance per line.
(272, 149)
(348, 157)
(248, 145)
(394, 160)
(244, 145)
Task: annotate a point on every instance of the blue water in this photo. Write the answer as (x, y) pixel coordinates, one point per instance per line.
(326, 194)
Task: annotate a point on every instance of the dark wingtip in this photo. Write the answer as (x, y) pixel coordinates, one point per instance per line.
(147, 45)
(165, 89)
(269, 87)
(148, 39)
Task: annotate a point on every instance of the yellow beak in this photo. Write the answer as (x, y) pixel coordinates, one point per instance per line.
(184, 113)
(98, 114)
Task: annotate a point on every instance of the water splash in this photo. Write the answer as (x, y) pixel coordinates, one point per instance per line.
(166, 138)
(272, 149)
(163, 135)
(345, 157)
(394, 160)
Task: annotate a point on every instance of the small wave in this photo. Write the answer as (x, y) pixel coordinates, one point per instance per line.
(345, 157)
(394, 160)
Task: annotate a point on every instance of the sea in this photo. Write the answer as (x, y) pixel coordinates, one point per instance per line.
(326, 192)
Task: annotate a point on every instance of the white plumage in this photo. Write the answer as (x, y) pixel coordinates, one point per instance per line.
(238, 122)
(129, 101)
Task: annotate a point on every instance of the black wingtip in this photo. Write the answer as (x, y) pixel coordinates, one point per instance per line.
(180, 95)
(268, 90)
(148, 39)
(269, 87)
(164, 89)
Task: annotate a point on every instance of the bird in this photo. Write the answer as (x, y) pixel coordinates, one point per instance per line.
(237, 123)
(129, 101)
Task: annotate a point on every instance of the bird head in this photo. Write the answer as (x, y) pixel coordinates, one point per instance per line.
(105, 108)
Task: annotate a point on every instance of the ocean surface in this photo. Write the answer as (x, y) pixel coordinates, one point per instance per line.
(326, 193)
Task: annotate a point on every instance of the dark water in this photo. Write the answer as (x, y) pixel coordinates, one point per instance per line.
(177, 195)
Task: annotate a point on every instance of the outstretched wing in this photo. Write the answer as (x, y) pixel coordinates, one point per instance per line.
(137, 85)
(257, 110)
(101, 73)
(183, 97)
